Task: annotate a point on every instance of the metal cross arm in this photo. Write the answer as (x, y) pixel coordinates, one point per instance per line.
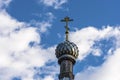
(66, 19)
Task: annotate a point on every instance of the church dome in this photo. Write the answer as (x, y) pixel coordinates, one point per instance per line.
(67, 48)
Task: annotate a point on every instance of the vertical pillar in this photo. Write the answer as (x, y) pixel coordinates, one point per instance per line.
(66, 70)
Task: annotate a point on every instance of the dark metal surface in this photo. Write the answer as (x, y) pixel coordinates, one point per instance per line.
(66, 20)
(67, 47)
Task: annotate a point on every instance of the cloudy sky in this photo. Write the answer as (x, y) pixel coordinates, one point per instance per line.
(31, 29)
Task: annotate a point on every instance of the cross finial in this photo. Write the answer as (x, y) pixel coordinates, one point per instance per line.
(66, 19)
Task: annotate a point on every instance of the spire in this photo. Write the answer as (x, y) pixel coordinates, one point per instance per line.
(67, 53)
(66, 20)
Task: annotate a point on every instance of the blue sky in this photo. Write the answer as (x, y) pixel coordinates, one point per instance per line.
(31, 29)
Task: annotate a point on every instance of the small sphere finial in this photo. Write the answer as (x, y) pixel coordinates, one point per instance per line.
(66, 19)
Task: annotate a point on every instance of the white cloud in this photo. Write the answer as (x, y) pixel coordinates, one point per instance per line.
(87, 37)
(17, 57)
(8, 24)
(108, 71)
(56, 4)
(50, 16)
(85, 40)
(4, 3)
(45, 24)
(48, 78)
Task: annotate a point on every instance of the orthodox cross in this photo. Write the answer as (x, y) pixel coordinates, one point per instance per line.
(66, 19)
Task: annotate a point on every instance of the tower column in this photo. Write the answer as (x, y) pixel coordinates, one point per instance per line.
(66, 70)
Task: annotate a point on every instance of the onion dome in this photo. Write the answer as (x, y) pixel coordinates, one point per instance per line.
(67, 48)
